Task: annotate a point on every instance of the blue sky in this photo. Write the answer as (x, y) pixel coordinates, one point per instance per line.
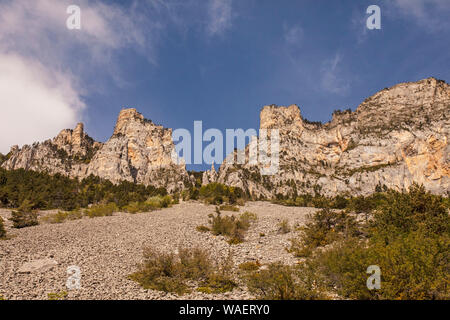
(210, 60)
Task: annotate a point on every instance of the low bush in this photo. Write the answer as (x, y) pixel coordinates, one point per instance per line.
(218, 194)
(232, 227)
(57, 296)
(284, 227)
(203, 229)
(250, 266)
(102, 210)
(407, 236)
(153, 203)
(325, 226)
(173, 272)
(62, 216)
(282, 282)
(227, 207)
(25, 216)
(2, 229)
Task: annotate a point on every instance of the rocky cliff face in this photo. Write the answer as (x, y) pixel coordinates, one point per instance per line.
(138, 151)
(394, 138)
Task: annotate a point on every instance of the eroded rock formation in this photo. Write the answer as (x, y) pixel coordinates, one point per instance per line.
(138, 151)
(394, 138)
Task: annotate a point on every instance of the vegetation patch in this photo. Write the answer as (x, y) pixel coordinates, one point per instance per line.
(2, 229)
(48, 192)
(250, 266)
(62, 216)
(284, 227)
(231, 226)
(102, 210)
(407, 235)
(216, 194)
(25, 216)
(57, 296)
(325, 227)
(151, 204)
(175, 272)
(282, 282)
(227, 207)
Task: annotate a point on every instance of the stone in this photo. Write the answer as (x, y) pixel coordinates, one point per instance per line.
(41, 265)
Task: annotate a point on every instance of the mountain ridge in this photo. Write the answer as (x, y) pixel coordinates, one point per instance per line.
(394, 138)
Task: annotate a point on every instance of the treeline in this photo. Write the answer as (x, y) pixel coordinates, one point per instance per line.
(46, 191)
(357, 204)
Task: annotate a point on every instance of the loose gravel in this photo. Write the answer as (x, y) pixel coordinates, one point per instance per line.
(108, 249)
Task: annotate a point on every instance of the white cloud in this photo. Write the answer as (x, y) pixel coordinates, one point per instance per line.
(332, 80)
(46, 68)
(220, 16)
(35, 103)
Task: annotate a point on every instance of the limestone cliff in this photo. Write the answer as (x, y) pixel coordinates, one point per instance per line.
(394, 138)
(138, 151)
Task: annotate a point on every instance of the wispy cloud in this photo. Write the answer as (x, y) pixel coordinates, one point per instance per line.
(220, 16)
(429, 14)
(332, 80)
(293, 35)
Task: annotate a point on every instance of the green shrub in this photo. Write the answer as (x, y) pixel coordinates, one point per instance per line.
(102, 210)
(413, 267)
(407, 236)
(152, 203)
(2, 229)
(284, 227)
(231, 226)
(227, 207)
(57, 296)
(172, 272)
(282, 282)
(25, 216)
(203, 229)
(250, 266)
(62, 216)
(325, 226)
(217, 194)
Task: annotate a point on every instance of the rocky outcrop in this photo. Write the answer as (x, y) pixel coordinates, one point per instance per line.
(138, 151)
(209, 176)
(69, 153)
(394, 138)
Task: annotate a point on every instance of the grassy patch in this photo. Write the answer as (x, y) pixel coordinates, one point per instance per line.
(153, 203)
(250, 266)
(102, 210)
(62, 216)
(202, 229)
(227, 207)
(57, 296)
